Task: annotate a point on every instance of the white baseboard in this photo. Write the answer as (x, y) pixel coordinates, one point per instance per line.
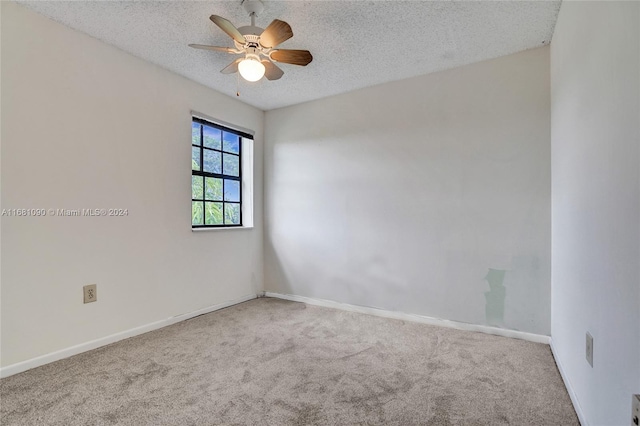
(94, 344)
(538, 338)
(567, 384)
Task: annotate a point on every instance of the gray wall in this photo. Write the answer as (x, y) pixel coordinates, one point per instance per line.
(595, 104)
(429, 195)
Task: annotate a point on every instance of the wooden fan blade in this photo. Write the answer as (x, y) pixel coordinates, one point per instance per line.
(232, 67)
(295, 57)
(228, 28)
(272, 71)
(277, 32)
(216, 48)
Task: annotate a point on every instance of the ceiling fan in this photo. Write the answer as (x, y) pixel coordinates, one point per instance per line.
(257, 45)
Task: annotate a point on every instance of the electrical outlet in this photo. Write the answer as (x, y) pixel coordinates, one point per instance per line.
(635, 410)
(90, 293)
(589, 349)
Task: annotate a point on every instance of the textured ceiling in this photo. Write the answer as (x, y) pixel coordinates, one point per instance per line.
(354, 43)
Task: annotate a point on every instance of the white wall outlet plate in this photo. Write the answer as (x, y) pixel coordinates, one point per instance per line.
(90, 293)
(589, 349)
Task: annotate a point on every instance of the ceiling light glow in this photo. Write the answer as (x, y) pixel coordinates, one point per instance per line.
(251, 69)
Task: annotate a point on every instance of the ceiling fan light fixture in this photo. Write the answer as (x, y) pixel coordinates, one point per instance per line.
(251, 69)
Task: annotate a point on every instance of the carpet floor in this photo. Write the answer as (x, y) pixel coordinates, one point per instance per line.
(274, 362)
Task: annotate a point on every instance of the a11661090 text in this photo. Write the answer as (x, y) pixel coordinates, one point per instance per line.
(62, 212)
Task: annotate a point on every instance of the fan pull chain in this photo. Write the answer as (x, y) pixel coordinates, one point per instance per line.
(238, 84)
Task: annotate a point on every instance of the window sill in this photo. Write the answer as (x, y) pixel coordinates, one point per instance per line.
(231, 228)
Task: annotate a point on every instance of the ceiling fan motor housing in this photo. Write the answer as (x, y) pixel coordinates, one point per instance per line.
(251, 33)
(252, 45)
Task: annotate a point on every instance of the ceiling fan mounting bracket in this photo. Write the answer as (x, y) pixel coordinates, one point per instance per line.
(253, 7)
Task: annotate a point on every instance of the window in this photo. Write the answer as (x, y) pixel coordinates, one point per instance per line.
(216, 175)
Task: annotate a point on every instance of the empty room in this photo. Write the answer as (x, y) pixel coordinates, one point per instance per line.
(390, 212)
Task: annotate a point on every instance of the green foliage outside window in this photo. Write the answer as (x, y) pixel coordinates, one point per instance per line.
(216, 176)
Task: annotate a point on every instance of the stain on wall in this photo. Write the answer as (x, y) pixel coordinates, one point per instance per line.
(494, 309)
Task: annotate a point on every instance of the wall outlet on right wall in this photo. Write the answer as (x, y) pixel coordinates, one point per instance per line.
(589, 349)
(635, 410)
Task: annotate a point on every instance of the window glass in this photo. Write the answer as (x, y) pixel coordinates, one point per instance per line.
(212, 137)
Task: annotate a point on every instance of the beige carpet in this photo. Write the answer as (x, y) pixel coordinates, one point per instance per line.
(273, 362)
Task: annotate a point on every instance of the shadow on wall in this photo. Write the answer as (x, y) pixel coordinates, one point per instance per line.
(276, 278)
